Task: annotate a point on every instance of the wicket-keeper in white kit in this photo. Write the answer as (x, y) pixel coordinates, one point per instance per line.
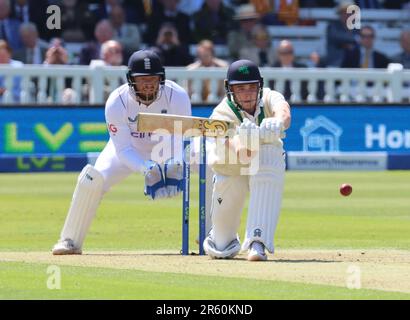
(254, 109)
(128, 150)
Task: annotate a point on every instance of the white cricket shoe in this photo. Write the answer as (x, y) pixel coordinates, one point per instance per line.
(257, 252)
(231, 250)
(65, 246)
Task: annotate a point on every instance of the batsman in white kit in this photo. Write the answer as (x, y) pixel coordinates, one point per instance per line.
(262, 113)
(127, 151)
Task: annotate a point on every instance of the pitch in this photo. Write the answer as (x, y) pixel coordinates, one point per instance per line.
(327, 246)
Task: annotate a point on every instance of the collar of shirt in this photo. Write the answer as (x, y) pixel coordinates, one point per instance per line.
(255, 116)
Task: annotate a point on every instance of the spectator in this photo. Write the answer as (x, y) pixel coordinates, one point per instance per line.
(34, 11)
(127, 34)
(288, 11)
(364, 56)
(286, 59)
(213, 22)
(404, 56)
(34, 49)
(77, 22)
(206, 59)
(260, 51)
(111, 54)
(103, 10)
(9, 27)
(316, 61)
(57, 55)
(240, 38)
(5, 58)
(339, 37)
(168, 47)
(103, 32)
(266, 10)
(169, 12)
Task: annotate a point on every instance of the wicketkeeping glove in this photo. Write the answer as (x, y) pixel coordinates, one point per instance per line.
(154, 181)
(174, 175)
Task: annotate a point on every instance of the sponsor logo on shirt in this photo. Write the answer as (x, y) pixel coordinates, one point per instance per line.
(141, 135)
(112, 128)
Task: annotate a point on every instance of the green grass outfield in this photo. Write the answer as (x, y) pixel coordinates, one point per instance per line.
(314, 216)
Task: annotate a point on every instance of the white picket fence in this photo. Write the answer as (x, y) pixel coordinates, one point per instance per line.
(92, 85)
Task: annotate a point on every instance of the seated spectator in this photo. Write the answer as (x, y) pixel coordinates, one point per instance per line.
(316, 61)
(169, 12)
(241, 37)
(34, 49)
(288, 11)
(260, 51)
(32, 11)
(103, 32)
(127, 34)
(112, 56)
(136, 11)
(339, 37)
(205, 59)
(213, 21)
(77, 22)
(9, 27)
(364, 56)
(266, 10)
(404, 56)
(57, 55)
(168, 47)
(5, 58)
(286, 59)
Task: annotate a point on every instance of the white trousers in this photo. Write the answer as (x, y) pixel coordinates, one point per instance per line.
(265, 189)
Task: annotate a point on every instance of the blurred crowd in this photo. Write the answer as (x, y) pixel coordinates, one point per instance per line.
(107, 32)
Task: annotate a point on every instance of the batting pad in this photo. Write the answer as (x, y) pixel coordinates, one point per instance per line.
(84, 204)
(266, 189)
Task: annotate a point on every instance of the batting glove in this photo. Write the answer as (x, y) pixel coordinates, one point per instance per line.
(271, 130)
(248, 131)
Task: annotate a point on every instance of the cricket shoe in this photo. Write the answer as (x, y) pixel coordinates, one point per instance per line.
(257, 252)
(230, 251)
(65, 246)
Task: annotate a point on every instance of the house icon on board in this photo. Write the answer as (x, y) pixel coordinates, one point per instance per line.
(320, 134)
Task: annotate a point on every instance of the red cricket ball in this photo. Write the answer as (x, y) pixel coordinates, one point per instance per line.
(345, 189)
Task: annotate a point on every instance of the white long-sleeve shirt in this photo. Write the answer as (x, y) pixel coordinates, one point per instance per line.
(133, 148)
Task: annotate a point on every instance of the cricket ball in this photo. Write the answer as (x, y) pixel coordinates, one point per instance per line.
(345, 189)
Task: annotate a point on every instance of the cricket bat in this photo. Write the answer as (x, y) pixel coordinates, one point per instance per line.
(183, 125)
